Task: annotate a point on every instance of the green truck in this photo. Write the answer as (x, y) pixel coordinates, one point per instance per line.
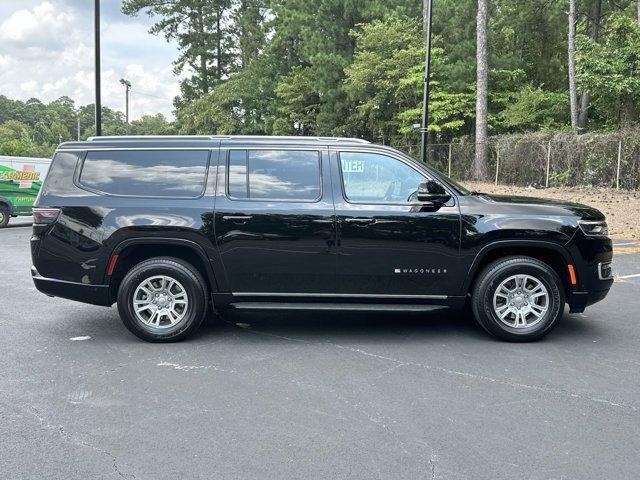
(20, 182)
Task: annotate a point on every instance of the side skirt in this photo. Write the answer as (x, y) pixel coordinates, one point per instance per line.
(322, 301)
(350, 307)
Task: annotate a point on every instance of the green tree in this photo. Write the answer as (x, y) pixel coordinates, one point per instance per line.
(248, 30)
(609, 70)
(298, 102)
(202, 34)
(533, 109)
(151, 125)
(376, 79)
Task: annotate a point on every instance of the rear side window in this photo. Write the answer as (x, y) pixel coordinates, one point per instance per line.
(59, 180)
(274, 175)
(146, 173)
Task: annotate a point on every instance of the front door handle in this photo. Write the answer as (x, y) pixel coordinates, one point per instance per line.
(360, 220)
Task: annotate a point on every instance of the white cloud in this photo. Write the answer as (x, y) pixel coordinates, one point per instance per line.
(29, 87)
(48, 47)
(36, 27)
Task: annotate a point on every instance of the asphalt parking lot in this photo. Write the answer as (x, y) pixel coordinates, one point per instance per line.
(301, 395)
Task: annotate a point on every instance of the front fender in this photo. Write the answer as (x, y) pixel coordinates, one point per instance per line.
(507, 244)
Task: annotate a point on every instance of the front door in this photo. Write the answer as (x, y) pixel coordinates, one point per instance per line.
(388, 244)
(274, 221)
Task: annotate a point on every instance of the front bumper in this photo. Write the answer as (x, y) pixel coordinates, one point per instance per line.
(80, 292)
(592, 256)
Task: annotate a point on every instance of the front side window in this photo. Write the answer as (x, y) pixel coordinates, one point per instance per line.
(376, 178)
(274, 175)
(146, 173)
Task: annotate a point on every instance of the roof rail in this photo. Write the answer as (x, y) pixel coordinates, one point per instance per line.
(223, 137)
(290, 137)
(149, 137)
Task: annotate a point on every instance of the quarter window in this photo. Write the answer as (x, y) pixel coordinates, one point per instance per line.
(274, 175)
(375, 178)
(146, 173)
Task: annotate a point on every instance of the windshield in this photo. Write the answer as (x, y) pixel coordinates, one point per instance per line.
(455, 186)
(451, 183)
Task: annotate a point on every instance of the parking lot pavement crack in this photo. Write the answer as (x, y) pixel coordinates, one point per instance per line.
(60, 430)
(486, 378)
(473, 376)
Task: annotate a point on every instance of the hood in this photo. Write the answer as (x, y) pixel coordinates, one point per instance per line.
(546, 205)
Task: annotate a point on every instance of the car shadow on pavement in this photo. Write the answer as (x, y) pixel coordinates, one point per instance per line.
(441, 326)
(318, 324)
(311, 326)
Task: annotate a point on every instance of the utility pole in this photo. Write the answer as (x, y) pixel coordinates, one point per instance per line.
(426, 19)
(96, 32)
(78, 118)
(127, 87)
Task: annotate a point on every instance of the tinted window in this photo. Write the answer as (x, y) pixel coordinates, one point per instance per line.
(274, 175)
(147, 173)
(370, 177)
(237, 179)
(59, 180)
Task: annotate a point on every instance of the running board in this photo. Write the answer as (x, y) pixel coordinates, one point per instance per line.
(352, 307)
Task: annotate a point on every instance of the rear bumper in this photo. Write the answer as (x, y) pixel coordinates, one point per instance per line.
(80, 292)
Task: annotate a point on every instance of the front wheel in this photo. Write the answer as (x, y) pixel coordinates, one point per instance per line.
(4, 216)
(518, 299)
(162, 299)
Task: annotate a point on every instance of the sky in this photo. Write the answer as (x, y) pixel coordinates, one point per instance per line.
(46, 51)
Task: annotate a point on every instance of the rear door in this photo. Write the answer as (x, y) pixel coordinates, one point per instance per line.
(275, 221)
(389, 244)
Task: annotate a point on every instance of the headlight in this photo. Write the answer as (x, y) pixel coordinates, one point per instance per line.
(594, 228)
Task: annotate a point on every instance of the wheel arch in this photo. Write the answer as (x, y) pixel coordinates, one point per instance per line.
(5, 202)
(135, 250)
(553, 254)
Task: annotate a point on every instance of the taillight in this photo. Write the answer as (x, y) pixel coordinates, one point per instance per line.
(45, 215)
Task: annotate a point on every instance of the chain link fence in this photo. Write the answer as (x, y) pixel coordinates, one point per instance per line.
(603, 160)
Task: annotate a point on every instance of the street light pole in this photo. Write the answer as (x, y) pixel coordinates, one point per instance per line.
(426, 18)
(127, 86)
(97, 68)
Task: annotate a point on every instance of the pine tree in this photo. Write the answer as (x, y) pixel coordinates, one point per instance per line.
(594, 20)
(201, 31)
(573, 89)
(482, 69)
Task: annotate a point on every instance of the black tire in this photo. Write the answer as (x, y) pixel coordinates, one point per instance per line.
(188, 277)
(482, 300)
(5, 214)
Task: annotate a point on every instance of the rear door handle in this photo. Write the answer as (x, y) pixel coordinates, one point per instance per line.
(237, 218)
(360, 220)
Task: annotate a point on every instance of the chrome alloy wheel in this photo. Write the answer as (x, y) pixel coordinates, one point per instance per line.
(521, 301)
(160, 302)
(1, 216)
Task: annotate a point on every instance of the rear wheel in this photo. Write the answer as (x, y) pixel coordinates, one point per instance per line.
(162, 299)
(518, 299)
(4, 216)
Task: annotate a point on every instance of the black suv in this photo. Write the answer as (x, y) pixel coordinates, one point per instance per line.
(170, 227)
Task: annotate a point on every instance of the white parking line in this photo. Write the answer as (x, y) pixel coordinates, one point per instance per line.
(630, 276)
(626, 244)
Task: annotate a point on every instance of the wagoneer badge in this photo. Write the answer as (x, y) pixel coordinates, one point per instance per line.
(430, 271)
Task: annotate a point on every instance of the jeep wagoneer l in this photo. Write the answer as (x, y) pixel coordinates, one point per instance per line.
(170, 228)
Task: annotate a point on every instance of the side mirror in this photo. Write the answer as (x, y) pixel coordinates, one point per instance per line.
(432, 192)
